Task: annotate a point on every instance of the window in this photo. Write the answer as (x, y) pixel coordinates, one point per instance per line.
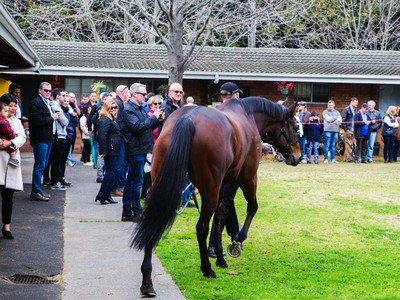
(81, 86)
(312, 92)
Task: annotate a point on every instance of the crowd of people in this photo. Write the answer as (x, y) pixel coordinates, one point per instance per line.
(118, 131)
(358, 126)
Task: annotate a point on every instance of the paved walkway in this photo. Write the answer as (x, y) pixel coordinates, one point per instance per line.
(89, 247)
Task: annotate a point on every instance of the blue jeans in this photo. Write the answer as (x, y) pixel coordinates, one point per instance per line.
(371, 141)
(120, 165)
(41, 154)
(330, 138)
(302, 142)
(133, 185)
(310, 146)
(99, 161)
(110, 177)
(187, 193)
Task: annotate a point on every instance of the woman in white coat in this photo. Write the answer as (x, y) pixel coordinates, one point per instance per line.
(10, 177)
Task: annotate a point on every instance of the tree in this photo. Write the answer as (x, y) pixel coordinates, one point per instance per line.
(186, 27)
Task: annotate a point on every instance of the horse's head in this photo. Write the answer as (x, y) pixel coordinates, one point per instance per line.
(283, 136)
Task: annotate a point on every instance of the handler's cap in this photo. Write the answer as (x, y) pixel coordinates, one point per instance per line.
(229, 88)
(365, 105)
(301, 103)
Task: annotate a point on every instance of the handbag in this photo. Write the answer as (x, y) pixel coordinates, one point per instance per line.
(389, 131)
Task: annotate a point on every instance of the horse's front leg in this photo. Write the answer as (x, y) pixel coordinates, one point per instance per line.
(146, 268)
(249, 193)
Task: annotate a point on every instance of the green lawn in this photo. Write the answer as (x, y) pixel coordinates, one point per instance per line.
(321, 232)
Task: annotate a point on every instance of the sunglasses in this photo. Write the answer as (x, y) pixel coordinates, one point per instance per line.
(47, 91)
(114, 107)
(143, 94)
(157, 103)
(178, 92)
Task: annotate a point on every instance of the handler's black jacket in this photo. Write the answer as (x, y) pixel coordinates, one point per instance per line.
(108, 137)
(138, 129)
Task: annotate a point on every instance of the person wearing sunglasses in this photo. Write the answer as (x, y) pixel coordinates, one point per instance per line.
(172, 100)
(109, 139)
(138, 135)
(154, 103)
(41, 131)
(121, 99)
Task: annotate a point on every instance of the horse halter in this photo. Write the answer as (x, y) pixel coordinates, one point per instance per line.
(285, 132)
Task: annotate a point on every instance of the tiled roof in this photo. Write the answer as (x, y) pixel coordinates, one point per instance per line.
(226, 63)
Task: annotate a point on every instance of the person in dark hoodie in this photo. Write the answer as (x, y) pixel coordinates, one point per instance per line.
(313, 130)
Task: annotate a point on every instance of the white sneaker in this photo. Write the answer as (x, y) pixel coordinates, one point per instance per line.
(88, 163)
(58, 187)
(334, 161)
(325, 161)
(303, 161)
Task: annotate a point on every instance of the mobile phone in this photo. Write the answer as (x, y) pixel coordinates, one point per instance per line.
(162, 109)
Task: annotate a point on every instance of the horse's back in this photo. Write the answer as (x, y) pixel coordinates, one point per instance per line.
(211, 149)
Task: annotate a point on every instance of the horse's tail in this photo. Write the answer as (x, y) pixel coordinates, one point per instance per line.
(166, 192)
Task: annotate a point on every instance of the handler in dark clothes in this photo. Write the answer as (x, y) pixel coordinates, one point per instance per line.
(228, 90)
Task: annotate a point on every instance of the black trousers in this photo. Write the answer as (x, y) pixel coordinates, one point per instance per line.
(86, 151)
(231, 220)
(6, 204)
(55, 161)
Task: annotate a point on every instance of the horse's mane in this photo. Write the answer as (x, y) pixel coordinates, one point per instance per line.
(257, 104)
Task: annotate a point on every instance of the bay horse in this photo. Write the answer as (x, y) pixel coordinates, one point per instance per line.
(212, 146)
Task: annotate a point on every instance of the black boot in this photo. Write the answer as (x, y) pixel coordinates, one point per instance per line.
(7, 234)
(101, 199)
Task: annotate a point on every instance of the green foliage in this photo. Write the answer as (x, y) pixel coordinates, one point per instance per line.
(321, 232)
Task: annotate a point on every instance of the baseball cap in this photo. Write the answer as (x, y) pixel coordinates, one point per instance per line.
(365, 105)
(229, 88)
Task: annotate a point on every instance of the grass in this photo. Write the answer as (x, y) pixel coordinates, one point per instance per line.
(321, 232)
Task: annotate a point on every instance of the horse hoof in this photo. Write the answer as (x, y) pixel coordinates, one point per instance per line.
(222, 264)
(148, 291)
(210, 274)
(235, 249)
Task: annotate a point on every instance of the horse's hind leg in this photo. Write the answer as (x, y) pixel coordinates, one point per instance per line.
(202, 228)
(146, 268)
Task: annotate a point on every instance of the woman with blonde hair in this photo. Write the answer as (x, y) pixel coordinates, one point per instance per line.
(390, 125)
(109, 139)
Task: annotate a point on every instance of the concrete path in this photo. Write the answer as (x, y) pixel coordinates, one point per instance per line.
(97, 260)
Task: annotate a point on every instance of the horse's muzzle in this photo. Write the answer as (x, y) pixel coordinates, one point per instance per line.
(292, 160)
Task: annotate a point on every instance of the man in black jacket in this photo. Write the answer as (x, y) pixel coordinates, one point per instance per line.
(138, 136)
(41, 131)
(122, 92)
(348, 125)
(173, 100)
